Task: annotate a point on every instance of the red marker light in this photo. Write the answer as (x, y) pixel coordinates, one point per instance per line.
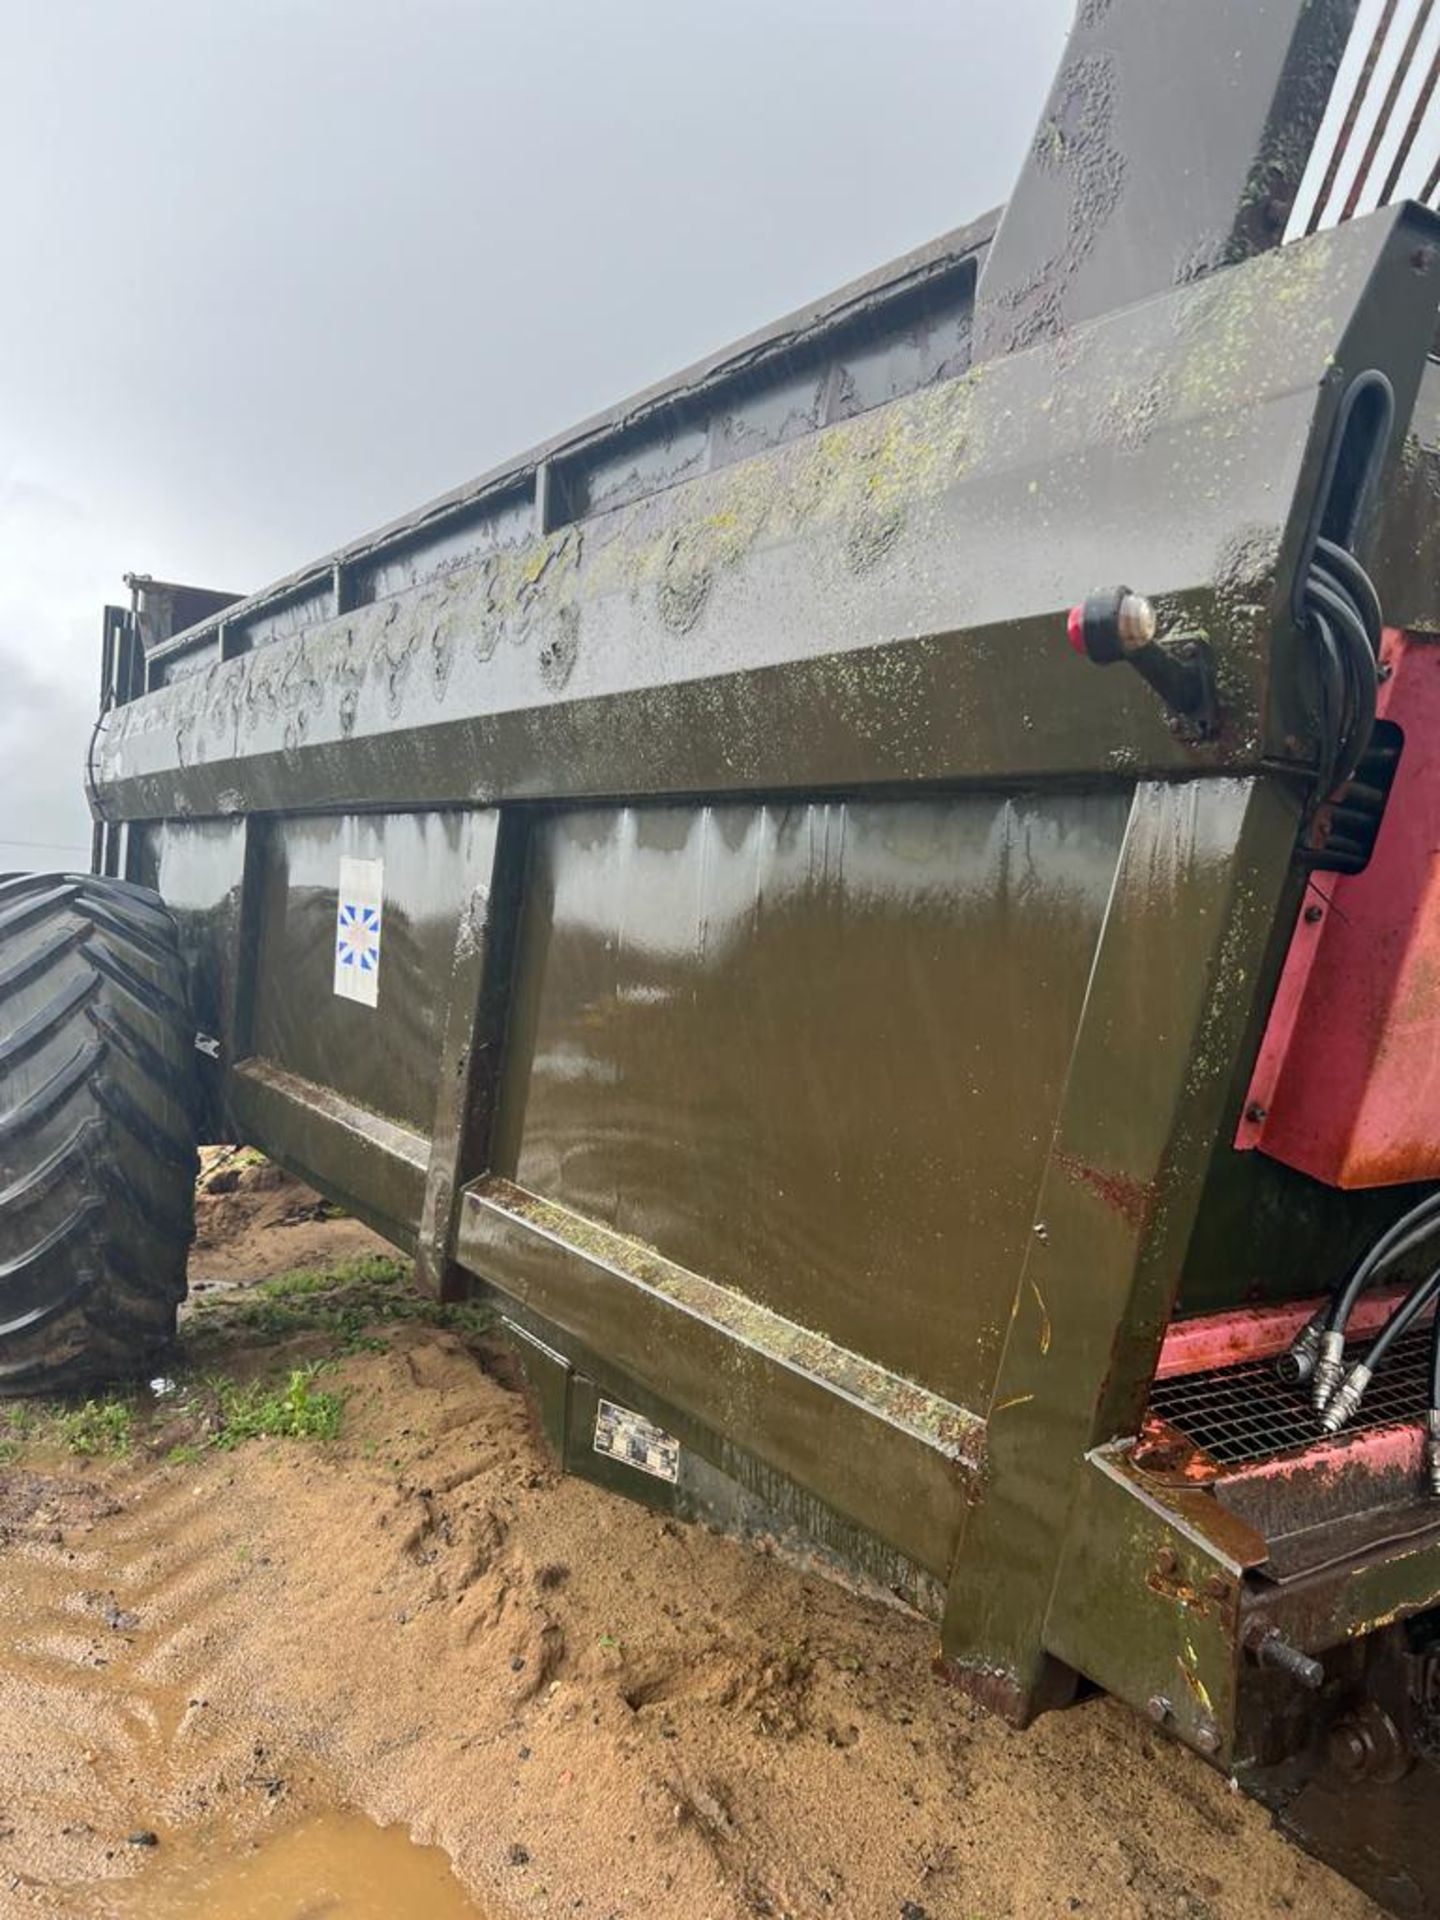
(1075, 629)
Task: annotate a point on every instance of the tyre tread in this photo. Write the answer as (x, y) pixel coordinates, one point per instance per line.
(97, 1130)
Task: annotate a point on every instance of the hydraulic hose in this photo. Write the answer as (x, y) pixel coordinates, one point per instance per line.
(1343, 612)
(1411, 1230)
(1340, 561)
(1404, 1317)
(1347, 1397)
(1319, 1349)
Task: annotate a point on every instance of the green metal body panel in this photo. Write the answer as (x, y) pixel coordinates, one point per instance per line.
(1196, 890)
(785, 1122)
(297, 1019)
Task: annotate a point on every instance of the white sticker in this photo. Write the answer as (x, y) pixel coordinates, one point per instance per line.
(635, 1442)
(358, 910)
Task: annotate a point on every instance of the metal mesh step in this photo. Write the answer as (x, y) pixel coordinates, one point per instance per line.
(1238, 1414)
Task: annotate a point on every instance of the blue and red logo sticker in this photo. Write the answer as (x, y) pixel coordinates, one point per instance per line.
(359, 917)
(357, 938)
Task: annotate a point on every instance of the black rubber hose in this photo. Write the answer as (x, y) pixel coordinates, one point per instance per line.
(1337, 615)
(1328, 601)
(1346, 622)
(1333, 702)
(1411, 1230)
(1404, 1316)
(1340, 561)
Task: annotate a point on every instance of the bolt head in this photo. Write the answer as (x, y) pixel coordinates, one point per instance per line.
(1157, 1708)
(1349, 1750)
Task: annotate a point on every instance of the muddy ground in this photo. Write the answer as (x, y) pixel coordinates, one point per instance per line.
(205, 1638)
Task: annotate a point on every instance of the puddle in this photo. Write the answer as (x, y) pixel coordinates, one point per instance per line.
(99, 1634)
(332, 1866)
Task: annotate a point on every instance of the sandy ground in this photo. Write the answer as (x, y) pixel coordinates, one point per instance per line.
(593, 1711)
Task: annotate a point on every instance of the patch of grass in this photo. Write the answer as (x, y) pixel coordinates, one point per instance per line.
(90, 1428)
(294, 1409)
(95, 1426)
(343, 1302)
(350, 1306)
(377, 1270)
(18, 1422)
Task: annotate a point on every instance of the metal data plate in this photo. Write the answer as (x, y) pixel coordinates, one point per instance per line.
(635, 1442)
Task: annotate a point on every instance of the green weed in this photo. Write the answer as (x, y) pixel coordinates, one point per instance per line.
(294, 1410)
(95, 1427)
(367, 1270)
(344, 1303)
(350, 1305)
(18, 1423)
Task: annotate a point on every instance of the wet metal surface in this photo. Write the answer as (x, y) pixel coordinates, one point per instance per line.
(1406, 562)
(1195, 895)
(1369, 1831)
(798, 1050)
(381, 1057)
(1148, 1590)
(1139, 178)
(879, 601)
(939, 1423)
(884, 1002)
(197, 866)
(373, 1166)
(874, 1448)
(1204, 1343)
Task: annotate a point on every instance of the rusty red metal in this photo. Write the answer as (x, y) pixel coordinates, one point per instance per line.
(1131, 1199)
(1257, 1333)
(1346, 1085)
(1396, 1450)
(1163, 1453)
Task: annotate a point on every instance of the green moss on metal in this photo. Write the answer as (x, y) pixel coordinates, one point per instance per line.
(755, 1329)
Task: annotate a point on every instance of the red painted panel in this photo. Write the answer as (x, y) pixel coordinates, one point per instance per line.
(1259, 1333)
(1398, 1451)
(1346, 1085)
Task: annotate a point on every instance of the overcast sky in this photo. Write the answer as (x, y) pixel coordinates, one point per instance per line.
(279, 270)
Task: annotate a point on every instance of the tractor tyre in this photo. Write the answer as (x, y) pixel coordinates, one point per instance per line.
(98, 1104)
